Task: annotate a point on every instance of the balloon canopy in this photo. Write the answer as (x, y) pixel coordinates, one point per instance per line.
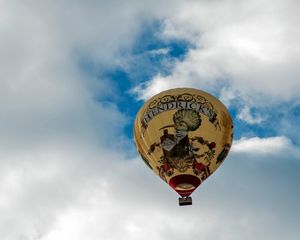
(183, 135)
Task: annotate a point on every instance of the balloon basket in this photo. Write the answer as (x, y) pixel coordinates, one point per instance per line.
(184, 201)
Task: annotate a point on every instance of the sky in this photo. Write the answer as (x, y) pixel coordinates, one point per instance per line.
(73, 75)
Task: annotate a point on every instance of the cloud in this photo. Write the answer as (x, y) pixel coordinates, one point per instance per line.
(54, 134)
(264, 146)
(161, 51)
(247, 116)
(239, 200)
(246, 45)
(41, 182)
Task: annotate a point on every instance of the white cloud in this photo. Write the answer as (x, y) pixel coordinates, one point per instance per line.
(246, 115)
(266, 146)
(251, 45)
(160, 51)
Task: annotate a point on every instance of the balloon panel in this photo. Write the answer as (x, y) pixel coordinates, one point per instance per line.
(183, 135)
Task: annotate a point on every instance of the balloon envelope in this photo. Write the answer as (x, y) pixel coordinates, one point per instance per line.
(183, 135)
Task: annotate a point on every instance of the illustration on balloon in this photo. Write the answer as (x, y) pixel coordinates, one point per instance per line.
(183, 135)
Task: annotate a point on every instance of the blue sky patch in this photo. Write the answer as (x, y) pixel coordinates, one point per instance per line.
(279, 120)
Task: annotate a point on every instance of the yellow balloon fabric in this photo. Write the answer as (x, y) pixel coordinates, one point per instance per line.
(183, 135)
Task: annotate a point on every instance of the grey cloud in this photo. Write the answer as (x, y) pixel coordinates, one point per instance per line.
(240, 200)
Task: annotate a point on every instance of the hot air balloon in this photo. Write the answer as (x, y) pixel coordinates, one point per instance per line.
(183, 135)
